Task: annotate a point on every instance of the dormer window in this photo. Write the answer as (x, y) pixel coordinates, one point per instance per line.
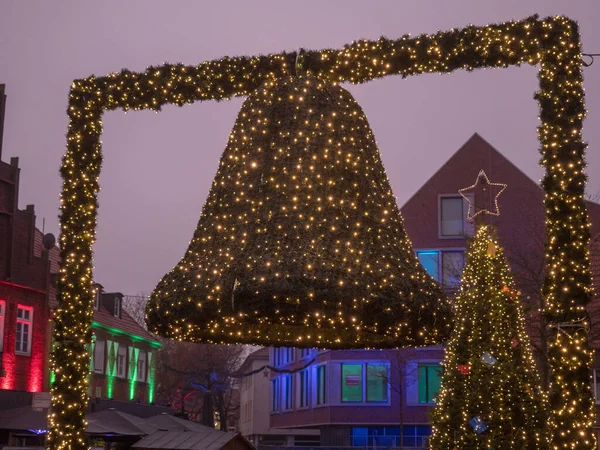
(117, 307)
(97, 300)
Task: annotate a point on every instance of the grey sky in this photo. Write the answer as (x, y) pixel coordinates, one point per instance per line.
(158, 167)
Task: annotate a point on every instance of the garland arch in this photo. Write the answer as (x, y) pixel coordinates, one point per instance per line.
(552, 43)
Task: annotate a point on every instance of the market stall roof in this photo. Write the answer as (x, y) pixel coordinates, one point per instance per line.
(176, 433)
(23, 418)
(115, 422)
(168, 422)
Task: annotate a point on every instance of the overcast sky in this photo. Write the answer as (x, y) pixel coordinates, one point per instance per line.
(158, 167)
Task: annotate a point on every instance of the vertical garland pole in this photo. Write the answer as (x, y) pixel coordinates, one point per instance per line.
(567, 286)
(72, 329)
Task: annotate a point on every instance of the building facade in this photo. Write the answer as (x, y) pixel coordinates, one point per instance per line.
(255, 400)
(25, 290)
(357, 398)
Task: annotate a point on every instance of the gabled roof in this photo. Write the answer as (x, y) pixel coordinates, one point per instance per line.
(262, 354)
(111, 422)
(467, 146)
(126, 324)
(182, 434)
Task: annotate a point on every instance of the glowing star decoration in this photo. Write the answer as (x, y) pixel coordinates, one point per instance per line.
(480, 189)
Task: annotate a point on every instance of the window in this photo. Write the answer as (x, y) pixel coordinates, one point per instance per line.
(453, 263)
(430, 260)
(141, 366)
(389, 437)
(374, 390)
(275, 384)
(321, 385)
(99, 356)
(303, 386)
(453, 217)
(288, 392)
(97, 299)
(597, 385)
(430, 382)
(24, 330)
(117, 307)
(121, 361)
(445, 266)
(277, 356)
(305, 352)
(377, 382)
(352, 383)
(290, 355)
(2, 315)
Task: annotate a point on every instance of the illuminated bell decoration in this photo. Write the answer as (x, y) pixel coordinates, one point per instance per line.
(300, 242)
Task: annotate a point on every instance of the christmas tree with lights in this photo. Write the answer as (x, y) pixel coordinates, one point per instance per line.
(491, 395)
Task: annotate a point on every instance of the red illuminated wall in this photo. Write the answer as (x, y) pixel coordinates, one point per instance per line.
(24, 373)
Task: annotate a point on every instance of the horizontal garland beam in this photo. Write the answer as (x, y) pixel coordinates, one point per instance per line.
(553, 43)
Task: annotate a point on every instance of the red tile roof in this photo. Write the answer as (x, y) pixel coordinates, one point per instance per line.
(125, 323)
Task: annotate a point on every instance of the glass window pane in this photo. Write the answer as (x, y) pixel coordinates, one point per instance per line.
(451, 216)
(452, 267)
(321, 385)
(19, 343)
(435, 381)
(377, 382)
(422, 383)
(352, 385)
(429, 261)
(359, 436)
(430, 382)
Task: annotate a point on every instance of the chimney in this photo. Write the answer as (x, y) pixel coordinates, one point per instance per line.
(2, 109)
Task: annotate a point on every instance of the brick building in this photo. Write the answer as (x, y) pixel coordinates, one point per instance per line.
(123, 363)
(25, 279)
(123, 352)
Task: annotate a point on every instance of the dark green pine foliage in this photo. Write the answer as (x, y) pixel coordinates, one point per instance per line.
(504, 394)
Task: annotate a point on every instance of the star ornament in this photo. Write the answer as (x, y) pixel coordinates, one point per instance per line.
(482, 183)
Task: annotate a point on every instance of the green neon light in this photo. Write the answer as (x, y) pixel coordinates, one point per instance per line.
(133, 337)
(133, 361)
(110, 382)
(151, 375)
(151, 392)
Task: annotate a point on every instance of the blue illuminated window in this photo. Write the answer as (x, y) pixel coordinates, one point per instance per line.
(430, 260)
(303, 377)
(321, 385)
(275, 394)
(445, 267)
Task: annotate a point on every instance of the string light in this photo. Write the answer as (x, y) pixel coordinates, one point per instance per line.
(552, 43)
(504, 392)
